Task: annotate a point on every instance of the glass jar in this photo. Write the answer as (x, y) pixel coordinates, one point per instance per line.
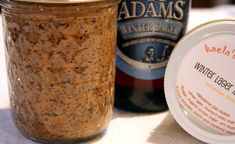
(61, 66)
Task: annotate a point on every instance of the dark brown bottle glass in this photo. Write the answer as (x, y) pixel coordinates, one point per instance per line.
(147, 34)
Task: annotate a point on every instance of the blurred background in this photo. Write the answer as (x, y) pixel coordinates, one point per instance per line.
(210, 3)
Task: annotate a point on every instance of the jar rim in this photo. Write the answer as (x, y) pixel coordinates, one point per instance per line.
(64, 1)
(59, 1)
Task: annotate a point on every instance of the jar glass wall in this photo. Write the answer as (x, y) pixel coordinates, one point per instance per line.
(61, 67)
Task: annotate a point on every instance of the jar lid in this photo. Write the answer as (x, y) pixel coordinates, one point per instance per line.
(59, 1)
(200, 82)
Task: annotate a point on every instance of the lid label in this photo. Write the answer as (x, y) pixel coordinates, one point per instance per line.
(220, 81)
(223, 83)
(220, 50)
(205, 84)
(201, 108)
(204, 70)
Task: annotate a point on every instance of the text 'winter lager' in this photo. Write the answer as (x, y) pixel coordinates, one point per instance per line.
(148, 30)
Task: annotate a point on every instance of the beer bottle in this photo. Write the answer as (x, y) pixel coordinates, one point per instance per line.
(148, 30)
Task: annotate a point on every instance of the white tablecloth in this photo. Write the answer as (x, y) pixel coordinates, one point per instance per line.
(124, 128)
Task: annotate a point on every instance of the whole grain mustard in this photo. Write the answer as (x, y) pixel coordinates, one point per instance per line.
(61, 67)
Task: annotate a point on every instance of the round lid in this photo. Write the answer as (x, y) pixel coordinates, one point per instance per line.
(200, 82)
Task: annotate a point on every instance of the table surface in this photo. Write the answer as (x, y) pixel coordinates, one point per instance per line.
(125, 127)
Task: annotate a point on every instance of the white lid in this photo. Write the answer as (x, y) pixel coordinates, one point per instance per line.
(200, 82)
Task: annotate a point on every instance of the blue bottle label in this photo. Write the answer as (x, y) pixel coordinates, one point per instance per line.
(148, 30)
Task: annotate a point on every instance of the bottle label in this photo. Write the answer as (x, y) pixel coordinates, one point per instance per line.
(147, 33)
